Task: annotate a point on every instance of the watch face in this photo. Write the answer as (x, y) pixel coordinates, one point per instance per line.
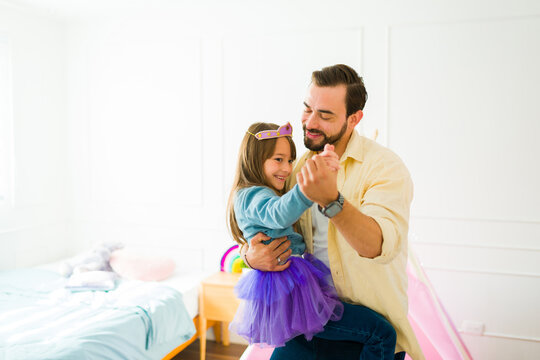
(333, 209)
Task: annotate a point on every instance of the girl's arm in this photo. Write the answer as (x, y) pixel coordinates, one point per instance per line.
(261, 206)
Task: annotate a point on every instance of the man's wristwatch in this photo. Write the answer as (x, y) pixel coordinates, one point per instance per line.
(333, 208)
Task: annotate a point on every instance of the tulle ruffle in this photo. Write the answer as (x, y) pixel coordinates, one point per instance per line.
(278, 306)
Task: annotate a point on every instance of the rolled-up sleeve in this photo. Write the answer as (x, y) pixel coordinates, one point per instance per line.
(387, 200)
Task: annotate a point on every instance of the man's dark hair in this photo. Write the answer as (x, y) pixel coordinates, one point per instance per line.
(343, 75)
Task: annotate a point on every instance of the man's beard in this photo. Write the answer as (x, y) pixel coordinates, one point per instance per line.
(309, 143)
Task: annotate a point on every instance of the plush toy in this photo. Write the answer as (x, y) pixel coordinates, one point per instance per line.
(96, 259)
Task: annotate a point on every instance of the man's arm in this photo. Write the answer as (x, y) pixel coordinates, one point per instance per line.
(319, 184)
(362, 232)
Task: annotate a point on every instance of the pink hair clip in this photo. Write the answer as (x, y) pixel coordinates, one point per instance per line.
(285, 130)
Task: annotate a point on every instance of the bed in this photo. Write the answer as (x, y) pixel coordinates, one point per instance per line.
(41, 319)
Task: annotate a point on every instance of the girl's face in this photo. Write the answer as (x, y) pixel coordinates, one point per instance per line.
(279, 166)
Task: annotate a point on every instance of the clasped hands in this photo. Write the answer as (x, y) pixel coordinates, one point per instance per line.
(318, 177)
(318, 182)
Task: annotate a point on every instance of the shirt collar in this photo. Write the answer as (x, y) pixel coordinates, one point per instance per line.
(355, 148)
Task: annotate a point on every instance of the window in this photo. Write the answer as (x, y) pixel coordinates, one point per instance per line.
(6, 126)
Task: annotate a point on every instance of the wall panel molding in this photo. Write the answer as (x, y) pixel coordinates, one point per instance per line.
(510, 337)
(447, 67)
(35, 226)
(475, 20)
(474, 246)
(7, 128)
(482, 272)
(479, 220)
(282, 61)
(187, 129)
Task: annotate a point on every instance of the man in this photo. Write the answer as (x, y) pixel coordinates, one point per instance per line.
(359, 221)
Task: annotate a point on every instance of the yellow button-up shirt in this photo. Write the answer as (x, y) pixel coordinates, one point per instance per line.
(374, 180)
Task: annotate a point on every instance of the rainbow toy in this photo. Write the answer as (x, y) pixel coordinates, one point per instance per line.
(231, 262)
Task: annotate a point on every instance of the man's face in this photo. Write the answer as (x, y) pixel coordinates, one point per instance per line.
(325, 117)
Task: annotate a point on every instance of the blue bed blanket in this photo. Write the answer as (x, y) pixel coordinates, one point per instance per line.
(40, 319)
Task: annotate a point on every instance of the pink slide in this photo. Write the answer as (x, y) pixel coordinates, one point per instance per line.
(254, 352)
(434, 329)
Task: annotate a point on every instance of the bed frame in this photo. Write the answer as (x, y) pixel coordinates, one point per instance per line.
(184, 345)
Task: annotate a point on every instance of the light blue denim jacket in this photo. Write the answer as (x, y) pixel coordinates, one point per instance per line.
(260, 209)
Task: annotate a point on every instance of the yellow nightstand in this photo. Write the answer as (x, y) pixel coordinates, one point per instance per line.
(217, 306)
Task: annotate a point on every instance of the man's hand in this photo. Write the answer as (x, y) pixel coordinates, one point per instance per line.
(318, 181)
(268, 257)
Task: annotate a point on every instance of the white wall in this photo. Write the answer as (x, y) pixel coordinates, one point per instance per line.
(33, 136)
(468, 133)
(158, 98)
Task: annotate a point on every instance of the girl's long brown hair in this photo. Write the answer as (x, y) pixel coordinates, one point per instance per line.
(250, 170)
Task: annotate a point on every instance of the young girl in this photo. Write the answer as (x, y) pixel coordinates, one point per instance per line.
(276, 306)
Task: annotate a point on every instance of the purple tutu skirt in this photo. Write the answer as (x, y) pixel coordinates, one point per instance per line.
(277, 306)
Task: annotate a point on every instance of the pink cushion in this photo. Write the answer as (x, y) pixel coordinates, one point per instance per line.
(136, 266)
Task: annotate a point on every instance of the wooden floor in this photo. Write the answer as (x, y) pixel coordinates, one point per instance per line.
(214, 351)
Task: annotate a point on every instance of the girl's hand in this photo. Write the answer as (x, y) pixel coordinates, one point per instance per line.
(330, 157)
